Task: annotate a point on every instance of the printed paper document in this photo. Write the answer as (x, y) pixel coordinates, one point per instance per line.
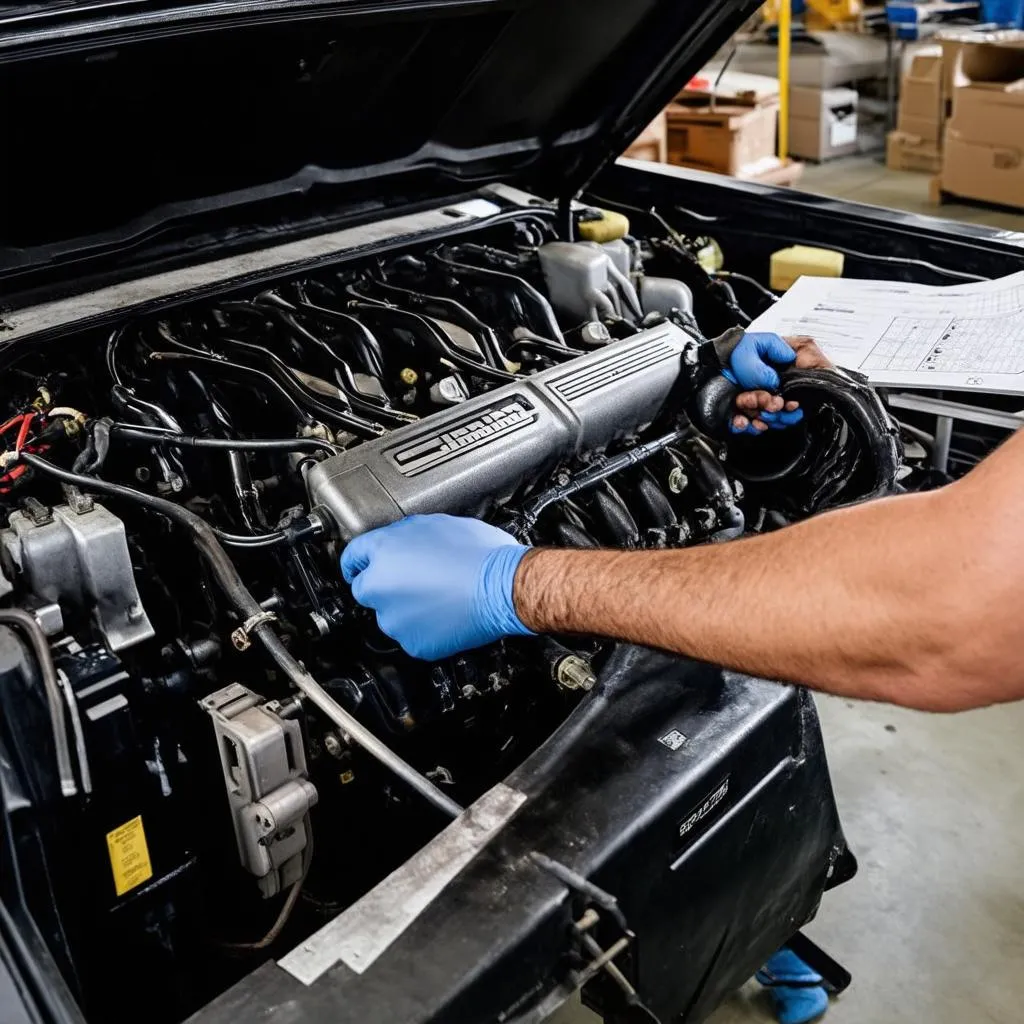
(967, 337)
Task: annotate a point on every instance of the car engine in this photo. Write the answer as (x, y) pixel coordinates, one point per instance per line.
(213, 750)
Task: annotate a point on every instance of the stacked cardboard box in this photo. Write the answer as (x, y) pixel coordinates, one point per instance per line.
(926, 99)
(822, 122)
(727, 138)
(916, 145)
(983, 157)
(953, 40)
(724, 123)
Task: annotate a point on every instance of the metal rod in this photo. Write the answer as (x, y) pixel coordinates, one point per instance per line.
(352, 727)
(955, 410)
(785, 38)
(33, 633)
(943, 440)
(245, 604)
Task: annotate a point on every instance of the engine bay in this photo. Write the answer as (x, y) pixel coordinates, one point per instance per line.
(214, 750)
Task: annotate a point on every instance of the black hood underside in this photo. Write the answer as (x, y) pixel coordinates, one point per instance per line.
(132, 125)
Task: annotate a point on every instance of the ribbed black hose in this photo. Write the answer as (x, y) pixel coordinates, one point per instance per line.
(247, 608)
(41, 649)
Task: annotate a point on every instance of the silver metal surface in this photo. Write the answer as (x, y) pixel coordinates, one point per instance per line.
(80, 558)
(76, 730)
(351, 728)
(363, 932)
(465, 459)
(575, 673)
(268, 791)
(943, 441)
(664, 294)
(621, 255)
(955, 410)
(121, 299)
(50, 618)
(585, 283)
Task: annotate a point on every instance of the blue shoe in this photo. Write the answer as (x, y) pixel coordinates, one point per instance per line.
(796, 989)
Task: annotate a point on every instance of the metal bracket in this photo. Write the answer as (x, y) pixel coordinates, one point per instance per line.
(267, 786)
(80, 555)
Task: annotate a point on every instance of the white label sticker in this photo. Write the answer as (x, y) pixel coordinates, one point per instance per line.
(673, 740)
(842, 130)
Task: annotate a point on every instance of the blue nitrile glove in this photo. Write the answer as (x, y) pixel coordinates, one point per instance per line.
(439, 584)
(752, 367)
(796, 989)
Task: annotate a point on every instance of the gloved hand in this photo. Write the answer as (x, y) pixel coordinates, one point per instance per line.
(752, 367)
(439, 584)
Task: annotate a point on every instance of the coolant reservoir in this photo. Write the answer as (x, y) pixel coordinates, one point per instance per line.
(800, 260)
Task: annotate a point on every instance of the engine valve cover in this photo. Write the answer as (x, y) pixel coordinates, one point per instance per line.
(476, 454)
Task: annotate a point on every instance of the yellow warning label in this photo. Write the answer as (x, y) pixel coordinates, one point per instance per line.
(129, 855)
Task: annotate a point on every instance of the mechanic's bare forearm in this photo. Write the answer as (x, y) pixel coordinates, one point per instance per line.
(915, 600)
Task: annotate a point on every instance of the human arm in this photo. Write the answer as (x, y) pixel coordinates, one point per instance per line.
(916, 600)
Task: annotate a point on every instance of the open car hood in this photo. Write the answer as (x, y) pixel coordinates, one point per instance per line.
(143, 131)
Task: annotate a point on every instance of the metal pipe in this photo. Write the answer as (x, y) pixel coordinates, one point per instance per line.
(943, 440)
(955, 410)
(785, 37)
(351, 726)
(40, 648)
(255, 623)
(157, 435)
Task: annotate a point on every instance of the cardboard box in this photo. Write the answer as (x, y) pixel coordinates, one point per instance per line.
(652, 142)
(923, 128)
(983, 157)
(904, 152)
(988, 92)
(822, 122)
(721, 138)
(922, 111)
(951, 41)
(979, 170)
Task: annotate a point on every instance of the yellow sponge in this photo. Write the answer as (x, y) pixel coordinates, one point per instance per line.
(608, 228)
(799, 260)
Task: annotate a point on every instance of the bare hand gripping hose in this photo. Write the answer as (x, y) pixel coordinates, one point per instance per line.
(250, 612)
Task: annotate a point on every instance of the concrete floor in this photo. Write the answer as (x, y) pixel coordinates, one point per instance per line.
(865, 179)
(932, 927)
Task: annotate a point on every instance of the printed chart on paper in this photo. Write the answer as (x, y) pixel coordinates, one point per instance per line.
(961, 337)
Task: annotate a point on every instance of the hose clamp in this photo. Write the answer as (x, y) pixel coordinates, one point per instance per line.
(241, 638)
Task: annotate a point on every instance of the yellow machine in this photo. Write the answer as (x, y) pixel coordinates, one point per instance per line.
(818, 15)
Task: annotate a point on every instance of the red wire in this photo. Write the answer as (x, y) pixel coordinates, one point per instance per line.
(10, 423)
(13, 474)
(26, 423)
